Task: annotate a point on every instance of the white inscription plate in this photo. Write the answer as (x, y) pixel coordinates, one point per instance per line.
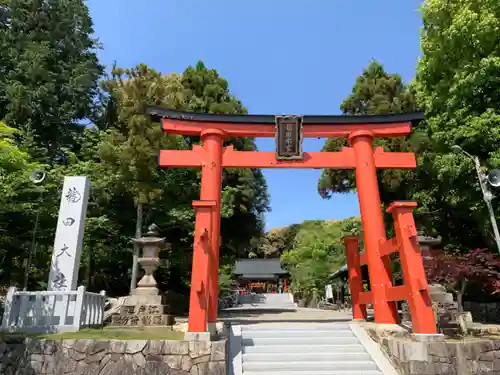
(69, 234)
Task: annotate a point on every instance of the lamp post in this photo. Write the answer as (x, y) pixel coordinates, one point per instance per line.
(487, 194)
(37, 177)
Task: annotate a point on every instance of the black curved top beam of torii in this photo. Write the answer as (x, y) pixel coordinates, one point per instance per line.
(158, 113)
(288, 134)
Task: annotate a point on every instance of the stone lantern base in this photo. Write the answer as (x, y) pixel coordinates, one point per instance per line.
(143, 310)
(145, 307)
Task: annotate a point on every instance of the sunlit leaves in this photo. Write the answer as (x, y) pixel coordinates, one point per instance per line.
(314, 251)
(374, 92)
(458, 86)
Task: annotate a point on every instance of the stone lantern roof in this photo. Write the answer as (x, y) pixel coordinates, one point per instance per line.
(150, 238)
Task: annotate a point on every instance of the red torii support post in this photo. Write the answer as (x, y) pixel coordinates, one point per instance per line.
(355, 277)
(415, 289)
(200, 294)
(212, 157)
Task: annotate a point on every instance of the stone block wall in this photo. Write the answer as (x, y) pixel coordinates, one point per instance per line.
(413, 355)
(25, 356)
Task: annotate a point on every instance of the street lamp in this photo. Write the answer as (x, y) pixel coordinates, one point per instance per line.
(493, 179)
(37, 177)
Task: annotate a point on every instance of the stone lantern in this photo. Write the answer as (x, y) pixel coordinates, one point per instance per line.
(150, 246)
(146, 306)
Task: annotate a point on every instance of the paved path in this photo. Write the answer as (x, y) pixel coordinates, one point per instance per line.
(305, 315)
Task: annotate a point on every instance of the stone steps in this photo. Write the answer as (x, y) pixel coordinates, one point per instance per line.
(284, 334)
(267, 300)
(325, 348)
(328, 372)
(308, 365)
(303, 341)
(303, 348)
(304, 326)
(304, 357)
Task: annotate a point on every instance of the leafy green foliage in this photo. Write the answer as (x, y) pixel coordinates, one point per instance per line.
(375, 92)
(311, 251)
(129, 151)
(48, 71)
(226, 280)
(49, 85)
(244, 192)
(457, 85)
(131, 145)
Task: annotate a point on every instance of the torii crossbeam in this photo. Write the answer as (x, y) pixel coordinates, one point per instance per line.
(289, 131)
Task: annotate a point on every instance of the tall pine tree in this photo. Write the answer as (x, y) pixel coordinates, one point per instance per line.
(48, 71)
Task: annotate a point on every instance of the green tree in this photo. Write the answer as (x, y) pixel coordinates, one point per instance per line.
(119, 155)
(244, 196)
(375, 92)
(317, 251)
(129, 151)
(277, 241)
(458, 86)
(48, 72)
(131, 146)
(18, 204)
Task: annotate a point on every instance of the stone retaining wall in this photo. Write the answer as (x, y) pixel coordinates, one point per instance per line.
(25, 356)
(421, 355)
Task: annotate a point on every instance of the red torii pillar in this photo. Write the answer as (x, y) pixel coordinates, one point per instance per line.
(202, 260)
(211, 187)
(373, 226)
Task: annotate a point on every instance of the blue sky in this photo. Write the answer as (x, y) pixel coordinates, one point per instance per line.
(280, 57)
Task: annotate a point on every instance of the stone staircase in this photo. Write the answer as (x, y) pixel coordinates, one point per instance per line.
(267, 301)
(304, 349)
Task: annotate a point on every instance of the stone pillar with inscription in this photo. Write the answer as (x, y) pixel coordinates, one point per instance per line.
(146, 306)
(69, 234)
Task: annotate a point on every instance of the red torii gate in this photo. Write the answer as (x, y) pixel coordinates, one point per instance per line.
(212, 157)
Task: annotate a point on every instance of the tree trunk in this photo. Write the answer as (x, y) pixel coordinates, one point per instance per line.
(88, 272)
(138, 234)
(460, 294)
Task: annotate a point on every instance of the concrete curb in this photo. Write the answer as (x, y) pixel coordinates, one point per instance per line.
(235, 360)
(373, 349)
